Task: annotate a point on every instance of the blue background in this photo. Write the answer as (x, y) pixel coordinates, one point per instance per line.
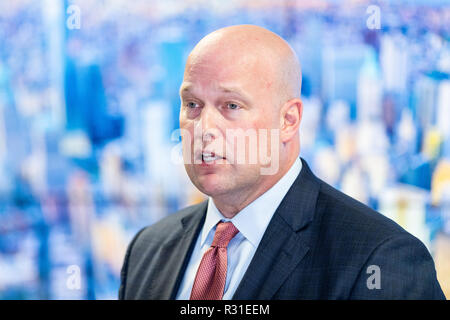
(88, 109)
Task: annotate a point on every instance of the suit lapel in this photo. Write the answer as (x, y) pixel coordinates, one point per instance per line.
(279, 251)
(176, 253)
(284, 243)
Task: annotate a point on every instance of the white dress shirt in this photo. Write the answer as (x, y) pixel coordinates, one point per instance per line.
(251, 222)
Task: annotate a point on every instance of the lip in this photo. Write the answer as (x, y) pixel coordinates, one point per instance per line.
(210, 163)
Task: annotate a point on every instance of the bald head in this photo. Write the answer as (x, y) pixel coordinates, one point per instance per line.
(254, 49)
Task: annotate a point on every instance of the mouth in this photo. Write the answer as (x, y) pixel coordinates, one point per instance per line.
(209, 158)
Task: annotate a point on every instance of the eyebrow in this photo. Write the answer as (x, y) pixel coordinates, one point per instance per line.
(228, 90)
(185, 88)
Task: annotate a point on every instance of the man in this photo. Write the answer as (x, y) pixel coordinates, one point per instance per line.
(270, 229)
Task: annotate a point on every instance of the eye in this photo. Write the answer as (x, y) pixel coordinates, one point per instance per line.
(233, 106)
(191, 105)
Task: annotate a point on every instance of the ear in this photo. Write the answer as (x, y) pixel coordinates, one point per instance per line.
(290, 117)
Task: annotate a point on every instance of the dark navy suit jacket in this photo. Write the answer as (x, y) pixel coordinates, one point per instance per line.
(320, 244)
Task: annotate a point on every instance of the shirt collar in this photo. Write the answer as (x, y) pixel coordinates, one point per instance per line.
(253, 220)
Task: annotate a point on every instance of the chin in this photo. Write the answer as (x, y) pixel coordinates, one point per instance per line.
(211, 184)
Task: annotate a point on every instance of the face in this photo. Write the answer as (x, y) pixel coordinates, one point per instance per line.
(224, 97)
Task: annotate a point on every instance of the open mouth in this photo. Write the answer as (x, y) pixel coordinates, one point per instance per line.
(210, 157)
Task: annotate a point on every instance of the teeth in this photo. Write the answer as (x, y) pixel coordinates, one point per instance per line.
(209, 157)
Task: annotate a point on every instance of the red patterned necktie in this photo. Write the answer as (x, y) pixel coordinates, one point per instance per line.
(209, 282)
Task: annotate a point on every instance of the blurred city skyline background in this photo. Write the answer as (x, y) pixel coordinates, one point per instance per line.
(89, 104)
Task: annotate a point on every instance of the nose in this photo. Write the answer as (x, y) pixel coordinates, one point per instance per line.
(207, 125)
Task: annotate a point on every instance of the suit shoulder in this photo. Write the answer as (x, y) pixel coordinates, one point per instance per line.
(356, 219)
(166, 227)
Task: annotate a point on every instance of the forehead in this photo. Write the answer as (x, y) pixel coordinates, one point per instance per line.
(226, 72)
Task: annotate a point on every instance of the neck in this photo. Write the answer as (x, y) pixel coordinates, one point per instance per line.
(231, 204)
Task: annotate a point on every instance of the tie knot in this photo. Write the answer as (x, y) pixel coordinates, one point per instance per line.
(225, 231)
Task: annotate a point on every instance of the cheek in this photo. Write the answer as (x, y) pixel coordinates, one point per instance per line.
(187, 129)
(187, 138)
